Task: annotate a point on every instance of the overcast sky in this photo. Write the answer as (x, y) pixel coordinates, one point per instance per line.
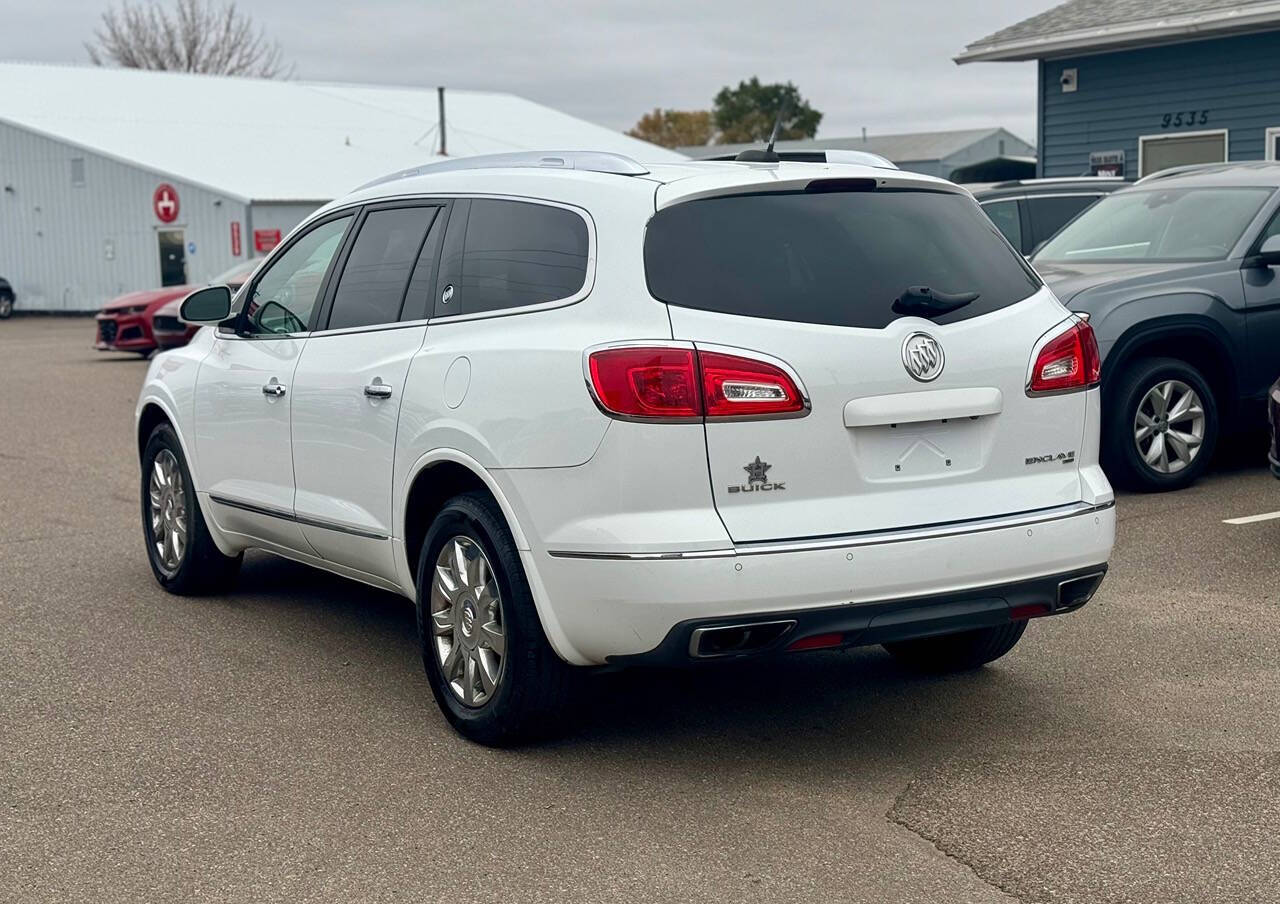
(886, 67)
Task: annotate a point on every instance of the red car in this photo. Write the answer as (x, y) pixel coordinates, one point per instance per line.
(128, 324)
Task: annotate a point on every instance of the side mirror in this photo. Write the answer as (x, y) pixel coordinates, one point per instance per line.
(1266, 256)
(212, 304)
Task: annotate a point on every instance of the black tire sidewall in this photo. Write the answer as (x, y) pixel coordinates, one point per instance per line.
(1122, 452)
(6, 306)
(478, 519)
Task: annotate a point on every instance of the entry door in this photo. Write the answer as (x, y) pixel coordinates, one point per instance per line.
(173, 257)
(244, 393)
(349, 386)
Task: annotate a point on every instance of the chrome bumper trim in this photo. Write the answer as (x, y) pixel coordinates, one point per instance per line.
(853, 541)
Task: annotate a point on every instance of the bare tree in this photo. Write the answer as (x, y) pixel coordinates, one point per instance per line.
(196, 36)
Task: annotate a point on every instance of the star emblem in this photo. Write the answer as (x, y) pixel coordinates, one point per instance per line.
(756, 470)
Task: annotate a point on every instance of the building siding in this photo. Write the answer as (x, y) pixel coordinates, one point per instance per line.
(68, 247)
(277, 215)
(1125, 94)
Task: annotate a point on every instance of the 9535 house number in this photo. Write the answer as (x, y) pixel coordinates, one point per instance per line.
(1184, 118)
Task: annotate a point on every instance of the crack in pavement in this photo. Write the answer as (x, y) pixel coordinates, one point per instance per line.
(891, 816)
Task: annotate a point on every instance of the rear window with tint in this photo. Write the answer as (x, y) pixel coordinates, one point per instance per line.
(519, 254)
(838, 258)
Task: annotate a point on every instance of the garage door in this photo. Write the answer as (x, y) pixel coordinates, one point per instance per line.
(1160, 152)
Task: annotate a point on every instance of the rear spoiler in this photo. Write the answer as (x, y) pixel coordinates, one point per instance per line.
(835, 155)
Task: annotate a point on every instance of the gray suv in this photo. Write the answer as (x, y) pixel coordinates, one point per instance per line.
(1180, 277)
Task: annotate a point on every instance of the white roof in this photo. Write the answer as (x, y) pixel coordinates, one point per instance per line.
(261, 140)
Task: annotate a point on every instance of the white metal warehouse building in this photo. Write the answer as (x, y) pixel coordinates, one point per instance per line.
(114, 180)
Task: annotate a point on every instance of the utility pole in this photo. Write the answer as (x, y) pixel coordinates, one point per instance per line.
(444, 152)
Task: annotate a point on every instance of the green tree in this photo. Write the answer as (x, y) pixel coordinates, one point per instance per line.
(746, 113)
(675, 128)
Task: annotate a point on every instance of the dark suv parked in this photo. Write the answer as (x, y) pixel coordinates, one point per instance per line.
(1028, 211)
(1180, 277)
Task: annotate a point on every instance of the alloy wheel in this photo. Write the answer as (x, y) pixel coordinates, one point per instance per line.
(167, 507)
(467, 627)
(1168, 428)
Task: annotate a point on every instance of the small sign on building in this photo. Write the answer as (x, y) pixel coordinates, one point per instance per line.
(235, 238)
(164, 201)
(1106, 163)
(265, 239)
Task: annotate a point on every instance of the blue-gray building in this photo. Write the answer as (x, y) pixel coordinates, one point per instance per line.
(1136, 87)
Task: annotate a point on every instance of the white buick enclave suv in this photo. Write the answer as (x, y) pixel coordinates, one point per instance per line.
(586, 412)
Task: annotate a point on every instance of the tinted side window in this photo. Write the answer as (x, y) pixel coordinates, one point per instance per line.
(284, 297)
(517, 253)
(1007, 219)
(832, 257)
(1048, 215)
(376, 275)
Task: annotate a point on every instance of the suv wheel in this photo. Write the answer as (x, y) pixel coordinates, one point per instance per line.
(1161, 426)
(183, 556)
(958, 652)
(6, 306)
(490, 667)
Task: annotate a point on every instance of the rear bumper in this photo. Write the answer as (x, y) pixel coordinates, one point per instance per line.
(890, 621)
(606, 608)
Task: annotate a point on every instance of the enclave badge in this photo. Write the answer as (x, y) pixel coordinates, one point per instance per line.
(756, 478)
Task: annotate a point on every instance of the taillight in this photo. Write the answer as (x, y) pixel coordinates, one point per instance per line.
(647, 382)
(1068, 361)
(671, 383)
(733, 386)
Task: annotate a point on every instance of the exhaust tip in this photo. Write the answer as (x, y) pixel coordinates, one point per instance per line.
(1074, 593)
(736, 640)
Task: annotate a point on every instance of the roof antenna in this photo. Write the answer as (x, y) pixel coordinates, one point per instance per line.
(751, 155)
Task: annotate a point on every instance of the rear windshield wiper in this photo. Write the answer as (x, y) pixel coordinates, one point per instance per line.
(924, 301)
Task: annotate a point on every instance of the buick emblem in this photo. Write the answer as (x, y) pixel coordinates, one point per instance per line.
(922, 357)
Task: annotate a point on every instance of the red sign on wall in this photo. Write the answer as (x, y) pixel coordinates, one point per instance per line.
(265, 239)
(165, 203)
(235, 238)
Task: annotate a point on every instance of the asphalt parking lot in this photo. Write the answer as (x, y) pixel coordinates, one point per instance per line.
(280, 743)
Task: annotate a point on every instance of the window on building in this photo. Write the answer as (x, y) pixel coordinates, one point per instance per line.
(1160, 152)
(1272, 151)
(77, 171)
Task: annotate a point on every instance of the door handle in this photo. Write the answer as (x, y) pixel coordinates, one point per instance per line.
(274, 388)
(378, 390)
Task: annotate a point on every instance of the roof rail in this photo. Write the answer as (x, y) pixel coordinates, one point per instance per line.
(587, 161)
(820, 155)
(1180, 171)
(1020, 183)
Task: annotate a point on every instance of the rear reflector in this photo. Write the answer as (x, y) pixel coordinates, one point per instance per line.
(1030, 610)
(685, 384)
(1068, 361)
(816, 642)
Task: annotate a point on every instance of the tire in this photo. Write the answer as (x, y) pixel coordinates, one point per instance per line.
(531, 686)
(958, 652)
(6, 306)
(1124, 454)
(199, 567)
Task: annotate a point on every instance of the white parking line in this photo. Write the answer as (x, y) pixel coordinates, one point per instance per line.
(1252, 519)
